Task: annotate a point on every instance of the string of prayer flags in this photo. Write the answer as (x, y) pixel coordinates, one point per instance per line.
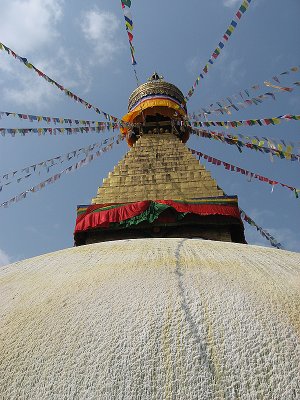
(102, 126)
(255, 144)
(227, 108)
(126, 4)
(282, 88)
(61, 120)
(287, 72)
(24, 173)
(247, 122)
(251, 175)
(262, 231)
(242, 9)
(57, 176)
(244, 95)
(273, 143)
(48, 120)
(60, 87)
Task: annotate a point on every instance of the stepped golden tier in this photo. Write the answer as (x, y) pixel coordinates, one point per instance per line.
(158, 168)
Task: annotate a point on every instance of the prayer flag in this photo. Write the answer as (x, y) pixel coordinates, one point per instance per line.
(238, 15)
(128, 24)
(126, 3)
(130, 36)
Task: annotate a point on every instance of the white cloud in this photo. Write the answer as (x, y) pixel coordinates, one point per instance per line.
(30, 90)
(30, 26)
(100, 29)
(235, 3)
(231, 3)
(235, 70)
(4, 258)
(26, 25)
(232, 69)
(193, 65)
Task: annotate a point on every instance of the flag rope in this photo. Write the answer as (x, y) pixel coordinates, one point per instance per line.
(57, 176)
(60, 87)
(104, 126)
(262, 231)
(48, 120)
(242, 9)
(10, 177)
(247, 122)
(126, 4)
(234, 168)
(244, 94)
(255, 139)
(256, 144)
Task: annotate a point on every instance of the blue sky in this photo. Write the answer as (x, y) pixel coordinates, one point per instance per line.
(83, 46)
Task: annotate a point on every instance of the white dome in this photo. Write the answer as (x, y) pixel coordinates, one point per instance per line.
(151, 319)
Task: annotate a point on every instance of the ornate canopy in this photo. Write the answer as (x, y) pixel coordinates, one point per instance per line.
(155, 86)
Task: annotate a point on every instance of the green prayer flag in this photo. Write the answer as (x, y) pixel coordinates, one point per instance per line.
(127, 3)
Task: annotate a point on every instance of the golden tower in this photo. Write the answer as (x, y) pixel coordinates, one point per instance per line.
(158, 189)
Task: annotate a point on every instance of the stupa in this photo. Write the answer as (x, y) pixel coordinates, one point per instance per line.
(161, 298)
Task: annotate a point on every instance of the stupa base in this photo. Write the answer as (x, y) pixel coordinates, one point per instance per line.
(215, 218)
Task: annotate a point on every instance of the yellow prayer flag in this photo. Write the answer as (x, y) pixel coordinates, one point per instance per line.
(129, 26)
(289, 149)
